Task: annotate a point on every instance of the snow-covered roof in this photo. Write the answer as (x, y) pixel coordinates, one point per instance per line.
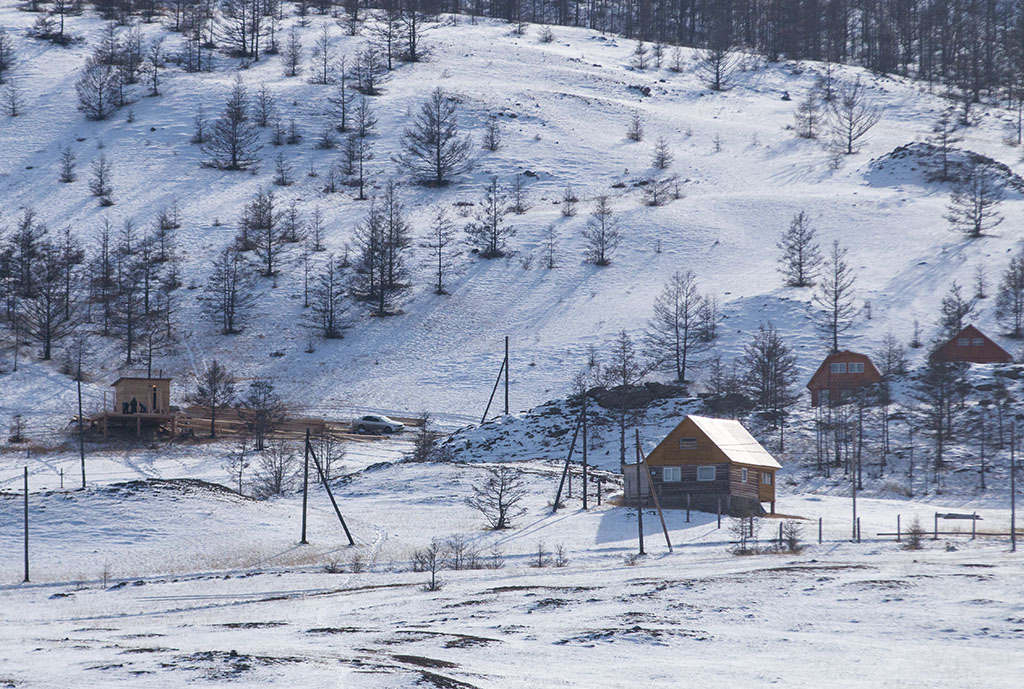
(735, 441)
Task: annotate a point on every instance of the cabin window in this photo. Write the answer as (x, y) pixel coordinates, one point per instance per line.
(706, 473)
(672, 474)
(743, 475)
(838, 368)
(687, 443)
(766, 478)
(964, 342)
(856, 368)
(978, 342)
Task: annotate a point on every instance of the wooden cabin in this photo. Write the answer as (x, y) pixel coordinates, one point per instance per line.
(840, 374)
(707, 464)
(972, 346)
(137, 402)
(142, 395)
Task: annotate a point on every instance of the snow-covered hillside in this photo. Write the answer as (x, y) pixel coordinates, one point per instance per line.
(564, 108)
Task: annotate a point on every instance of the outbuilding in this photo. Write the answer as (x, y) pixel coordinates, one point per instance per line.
(970, 345)
(707, 464)
(839, 375)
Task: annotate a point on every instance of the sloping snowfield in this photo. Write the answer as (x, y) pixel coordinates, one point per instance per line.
(563, 108)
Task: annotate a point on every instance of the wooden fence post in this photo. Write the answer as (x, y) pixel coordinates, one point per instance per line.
(819, 529)
(974, 526)
(780, 534)
(858, 529)
(897, 528)
(687, 508)
(719, 513)
(935, 534)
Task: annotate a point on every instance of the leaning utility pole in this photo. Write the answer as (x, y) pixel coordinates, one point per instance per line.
(506, 375)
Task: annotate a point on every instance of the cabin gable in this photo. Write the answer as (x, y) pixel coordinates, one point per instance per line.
(970, 345)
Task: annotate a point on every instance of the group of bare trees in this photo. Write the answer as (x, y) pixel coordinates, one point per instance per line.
(123, 285)
(121, 61)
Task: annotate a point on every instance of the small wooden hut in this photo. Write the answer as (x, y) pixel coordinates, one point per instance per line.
(707, 464)
(840, 374)
(138, 402)
(970, 345)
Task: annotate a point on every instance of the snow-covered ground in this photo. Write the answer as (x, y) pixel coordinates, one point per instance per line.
(172, 585)
(144, 580)
(564, 108)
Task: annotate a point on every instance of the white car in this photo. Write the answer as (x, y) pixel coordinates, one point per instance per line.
(377, 423)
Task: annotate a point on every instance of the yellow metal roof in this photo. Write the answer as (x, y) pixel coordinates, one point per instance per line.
(735, 441)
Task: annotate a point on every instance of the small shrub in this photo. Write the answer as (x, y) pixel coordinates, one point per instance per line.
(631, 559)
(914, 535)
(561, 557)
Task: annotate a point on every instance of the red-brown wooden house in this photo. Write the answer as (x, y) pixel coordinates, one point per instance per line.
(973, 346)
(839, 374)
(707, 464)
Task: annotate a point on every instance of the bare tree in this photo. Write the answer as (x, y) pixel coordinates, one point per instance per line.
(99, 90)
(215, 390)
(233, 140)
(67, 165)
(601, 233)
(13, 99)
(329, 301)
(662, 157)
(262, 410)
(275, 470)
(684, 324)
(434, 148)
(100, 183)
(230, 292)
(292, 56)
(769, 373)
(850, 116)
(237, 462)
(441, 237)
(322, 57)
(974, 201)
(835, 296)
(1010, 298)
(955, 310)
(623, 370)
(498, 497)
(635, 129)
(7, 54)
(808, 115)
(492, 134)
(945, 135)
(801, 256)
(488, 232)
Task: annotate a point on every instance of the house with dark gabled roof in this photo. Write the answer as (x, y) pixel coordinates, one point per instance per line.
(839, 375)
(970, 345)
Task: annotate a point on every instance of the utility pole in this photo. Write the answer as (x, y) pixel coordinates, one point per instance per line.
(1013, 487)
(639, 499)
(305, 487)
(26, 525)
(81, 428)
(584, 448)
(506, 375)
(853, 482)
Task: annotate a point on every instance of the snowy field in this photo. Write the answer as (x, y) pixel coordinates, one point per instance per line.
(168, 585)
